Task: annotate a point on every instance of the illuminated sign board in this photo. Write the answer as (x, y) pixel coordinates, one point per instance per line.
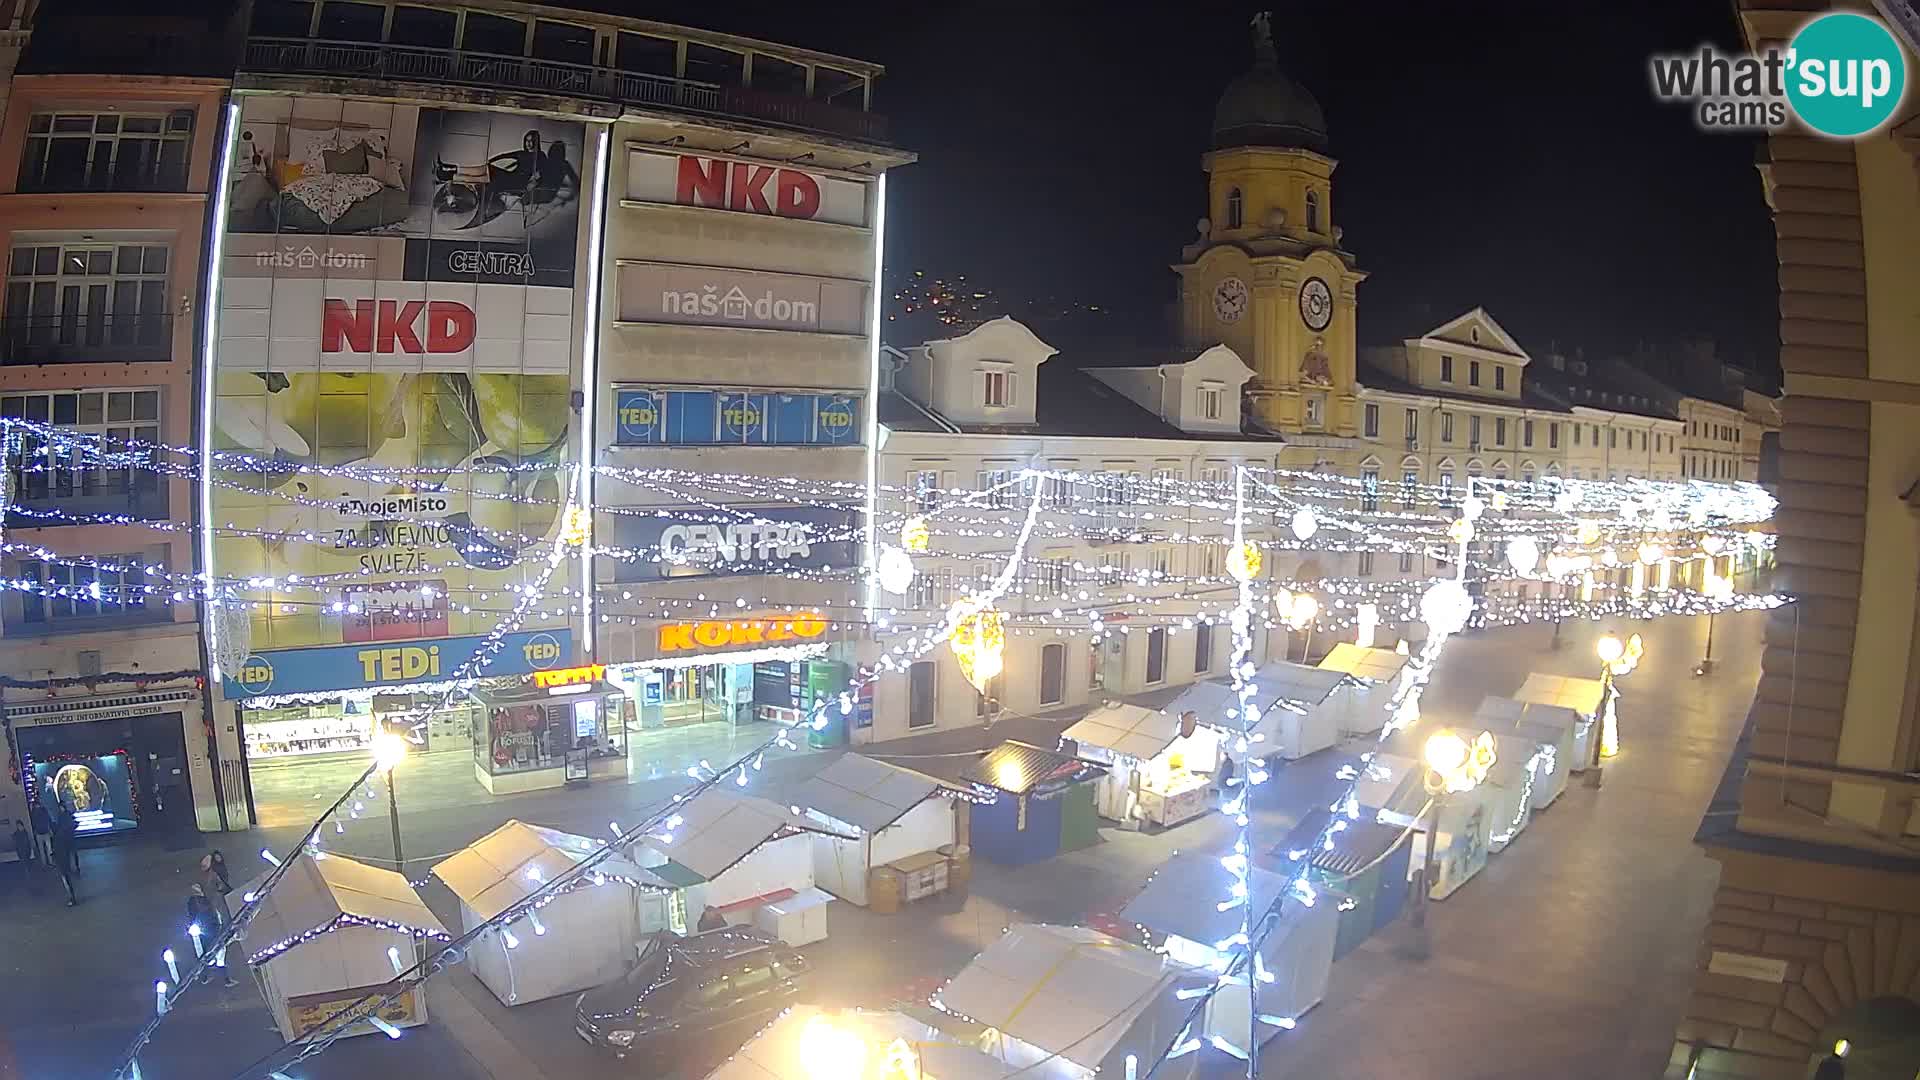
(751, 630)
(348, 667)
(588, 673)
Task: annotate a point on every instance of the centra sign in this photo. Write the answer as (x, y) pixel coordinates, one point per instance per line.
(717, 634)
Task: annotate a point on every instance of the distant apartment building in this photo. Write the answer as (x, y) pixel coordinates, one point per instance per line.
(106, 161)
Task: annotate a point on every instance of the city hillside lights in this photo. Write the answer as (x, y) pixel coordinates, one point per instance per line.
(1264, 512)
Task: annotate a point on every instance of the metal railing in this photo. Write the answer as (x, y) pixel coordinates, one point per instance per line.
(388, 62)
(86, 339)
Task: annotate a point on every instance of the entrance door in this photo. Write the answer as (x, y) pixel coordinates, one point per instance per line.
(120, 776)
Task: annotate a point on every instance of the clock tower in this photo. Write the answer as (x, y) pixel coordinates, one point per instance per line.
(1267, 276)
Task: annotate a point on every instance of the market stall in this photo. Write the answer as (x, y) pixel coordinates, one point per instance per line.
(1069, 1002)
(1360, 704)
(1042, 804)
(1549, 728)
(1295, 718)
(559, 727)
(1182, 902)
(1583, 696)
(1368, 865)
(578, 939)
(742, 859)
(808, 1042)
(1509, 790)
(904, 822)
(1160, 763)
(328, 935)
(1392, 789)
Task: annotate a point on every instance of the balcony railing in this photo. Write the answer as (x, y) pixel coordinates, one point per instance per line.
(86, 339)
(405, 63)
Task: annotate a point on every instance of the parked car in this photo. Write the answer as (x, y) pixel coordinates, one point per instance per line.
(690, 995)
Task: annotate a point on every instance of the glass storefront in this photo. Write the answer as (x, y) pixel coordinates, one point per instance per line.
(530, 730)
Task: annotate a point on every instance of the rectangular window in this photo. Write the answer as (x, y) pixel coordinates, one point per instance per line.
(1166, 484)
(1059, 493)
(1413, 428)
(1054, 576)
(926, 490)
(91, 590)
(1156, 655)
(110, 151)
(1365, 565)
(1209, 403)
(1409, 485)
(1446, 428)
(1446, 369)
(1526, 433)
(1446, 484)
(1553, 436)
(997, 485)
(1053, 674)
(74, 476)
(1594, 430)
(1208, 561)
(1162, 557)
(1372, 414)
(1316, 410)
(1406, 562)
(1202, 648)
(1499, 431)
(1369, 489)
(1473, 431)
(88, 302)
(1499, 376)
(921, 679)
(1473, 373)
(996, 389)
(693, 417)
(1613, 438)
(1576, 434)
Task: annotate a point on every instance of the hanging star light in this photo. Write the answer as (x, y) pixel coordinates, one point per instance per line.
(1445, 607)
(979, 642)
(1304, 524)
(1523, 554)
(894, 570)
(1244, 562)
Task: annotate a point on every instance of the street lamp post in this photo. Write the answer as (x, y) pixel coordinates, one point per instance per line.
(389, 750)
(1453, 766)
(1616, 658)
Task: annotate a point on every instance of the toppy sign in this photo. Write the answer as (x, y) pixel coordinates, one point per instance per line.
(573, 676)
(764, 630)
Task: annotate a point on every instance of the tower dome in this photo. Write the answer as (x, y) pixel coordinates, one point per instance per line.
(1263, 107)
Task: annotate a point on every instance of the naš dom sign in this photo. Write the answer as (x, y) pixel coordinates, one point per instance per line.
(752, 630)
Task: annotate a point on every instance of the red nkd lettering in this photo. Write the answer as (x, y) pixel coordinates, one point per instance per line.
(701, 182)
(737, 185)
(796, 195)
(389, 326)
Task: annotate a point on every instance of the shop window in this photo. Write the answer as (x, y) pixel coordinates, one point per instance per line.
(1203, 649)
(526, 729)
(921, 679)
(77, 480)
(422, 27)
(1053, 674)
(92, 591)
(1156, 656)
(109, 151)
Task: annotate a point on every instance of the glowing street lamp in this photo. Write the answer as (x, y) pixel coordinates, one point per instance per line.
(389, 750)
(1454, 766)
(1617, 658)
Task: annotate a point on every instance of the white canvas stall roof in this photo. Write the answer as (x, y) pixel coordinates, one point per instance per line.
(1180, 898)
(775, 1053)
(1545, 722)
(316, 893)
(718, 828)
(1133, 730)
(1279, 681)
(1391, 782)
(510, 863)
(1073, 992)
(1379, 665)
(1580, 695)
(867, 794)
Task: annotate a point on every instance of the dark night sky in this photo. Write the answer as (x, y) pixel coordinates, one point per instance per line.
(1504, 154)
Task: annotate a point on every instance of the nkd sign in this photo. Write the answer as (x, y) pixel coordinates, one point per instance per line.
(716, 296)
(745, 187)
(395, 326)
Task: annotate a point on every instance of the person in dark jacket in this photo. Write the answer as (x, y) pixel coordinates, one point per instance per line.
(22, 843)
(42, 831)
(66, 854)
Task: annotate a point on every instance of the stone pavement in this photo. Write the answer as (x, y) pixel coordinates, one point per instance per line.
(1569, 956)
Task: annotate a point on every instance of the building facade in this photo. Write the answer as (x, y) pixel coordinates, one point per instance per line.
(1815, 928)
(466, 252)
(105, 169)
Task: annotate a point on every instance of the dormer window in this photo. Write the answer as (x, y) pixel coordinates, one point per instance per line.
(1313, 211)
(1210, 402)
(1236, 209)
(996, 389)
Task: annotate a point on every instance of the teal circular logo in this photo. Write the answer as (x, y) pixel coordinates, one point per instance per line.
(1845, 74)
(255, 675)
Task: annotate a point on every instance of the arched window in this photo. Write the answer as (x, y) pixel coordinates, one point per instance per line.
(1313, 211)
(1236, 208)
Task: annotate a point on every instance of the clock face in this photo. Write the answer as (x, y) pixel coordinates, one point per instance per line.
(1316, 304)
(1230, 299)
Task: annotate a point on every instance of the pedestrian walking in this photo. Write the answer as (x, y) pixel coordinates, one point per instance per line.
(23, 844)
(42, 831)
(65, 858)
(216, 884)
(200, 911)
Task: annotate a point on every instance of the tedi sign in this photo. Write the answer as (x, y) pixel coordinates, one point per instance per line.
(394, 326)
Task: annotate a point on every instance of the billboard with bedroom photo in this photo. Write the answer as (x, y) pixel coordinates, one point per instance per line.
(397, 323)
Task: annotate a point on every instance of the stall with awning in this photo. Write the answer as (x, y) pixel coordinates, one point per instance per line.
(1041, 803)
(1583, 696)
(1294, 716)
(902, 826)
(1160, 763)
(1551, 731)
(579, 937)
(332, 932)
(742, 859)
(1182, 903)
(1068, 1003)
(1360, 704)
